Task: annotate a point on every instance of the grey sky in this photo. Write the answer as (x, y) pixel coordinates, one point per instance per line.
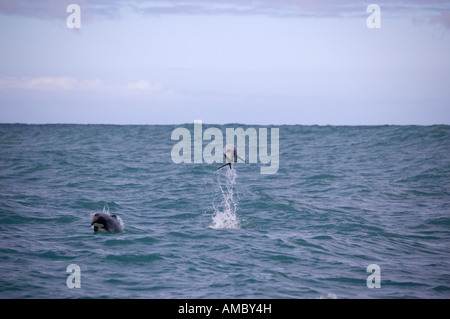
(254, 62)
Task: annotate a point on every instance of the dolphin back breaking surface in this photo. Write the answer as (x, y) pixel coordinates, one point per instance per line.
(107, 223)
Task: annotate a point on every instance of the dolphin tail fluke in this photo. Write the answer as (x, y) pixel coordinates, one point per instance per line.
(229, 164)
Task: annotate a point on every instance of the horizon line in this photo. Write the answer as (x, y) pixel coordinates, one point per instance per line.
(210, 124)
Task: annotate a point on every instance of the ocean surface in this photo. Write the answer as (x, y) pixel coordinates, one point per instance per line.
(342, 199)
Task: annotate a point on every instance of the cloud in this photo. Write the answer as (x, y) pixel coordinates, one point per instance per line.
(45, 9)
(39, 83)
(91, 84)
(56, 9)
(420, 11)
(145, 85)
(94, 85)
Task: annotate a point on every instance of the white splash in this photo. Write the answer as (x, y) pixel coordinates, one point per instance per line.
(329, 296)
(106, 209)
(224, 216)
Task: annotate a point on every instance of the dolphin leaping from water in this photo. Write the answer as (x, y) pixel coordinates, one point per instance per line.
(230, 154)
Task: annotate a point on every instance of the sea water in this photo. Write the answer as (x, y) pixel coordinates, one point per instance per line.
(342, 199)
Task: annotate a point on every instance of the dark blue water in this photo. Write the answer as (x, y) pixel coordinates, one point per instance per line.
(343, 198)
